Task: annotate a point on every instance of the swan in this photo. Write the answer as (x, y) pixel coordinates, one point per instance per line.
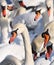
(11, 60)
(39, 41)
(9, 8)
(49, 4)
(13, 48)
(28, 20)
(45, 22)
(7, 15)
(30, 4)
(20, 8)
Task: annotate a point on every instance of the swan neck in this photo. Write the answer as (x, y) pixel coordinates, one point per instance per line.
(28, 51)
(51, 14)
(45, 18)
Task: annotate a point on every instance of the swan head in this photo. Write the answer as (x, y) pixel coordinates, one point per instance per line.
(46, 36)
(48, 10)
(39, 11)
(39, 40)
(3, 8)
(7, 9)
(48, 5)
(17, 29)
(13, 35)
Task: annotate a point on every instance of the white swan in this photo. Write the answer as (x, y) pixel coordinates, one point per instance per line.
(37, 46)
(27, 3)
(6, 15)
(7, 8)
(39, 41)
(20, 9)
(50, 5)
(13, 48)
(28, 20)
(11, 60)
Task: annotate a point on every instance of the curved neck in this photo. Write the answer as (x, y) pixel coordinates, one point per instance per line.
(28, 51)
(51, 13)
(45, 18)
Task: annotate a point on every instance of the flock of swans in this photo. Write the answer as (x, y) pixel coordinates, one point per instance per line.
(20, 23)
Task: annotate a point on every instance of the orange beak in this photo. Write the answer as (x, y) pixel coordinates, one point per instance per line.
(3, 10)
(49, 12)
(4, 13)
(37, 16)
(47, 37)
(12, 38)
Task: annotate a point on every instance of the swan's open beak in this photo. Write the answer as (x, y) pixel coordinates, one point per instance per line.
(3, 11)
(37, 15)
(12, 38)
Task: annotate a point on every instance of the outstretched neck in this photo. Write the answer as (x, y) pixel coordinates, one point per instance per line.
(28, 51)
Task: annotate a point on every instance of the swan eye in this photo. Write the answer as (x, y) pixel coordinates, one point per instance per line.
(3, 7)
